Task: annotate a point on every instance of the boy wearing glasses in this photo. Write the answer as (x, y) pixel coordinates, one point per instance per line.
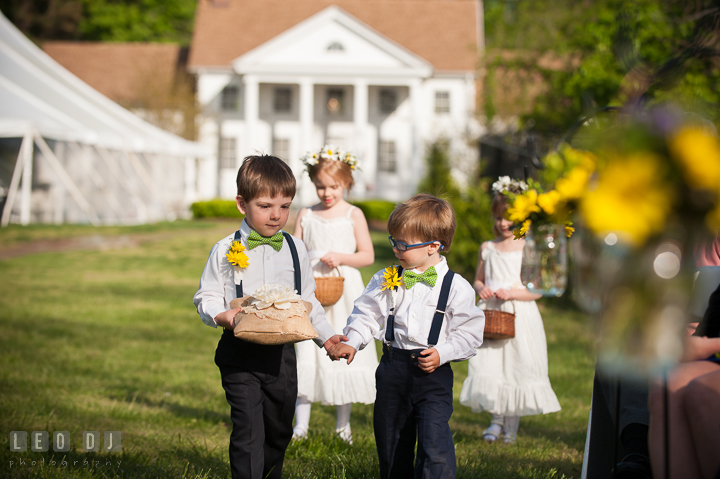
(425, 320)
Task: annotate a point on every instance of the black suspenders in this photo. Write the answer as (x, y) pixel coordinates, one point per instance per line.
(295, 260)
(437, 317)
(440, 310)
(390, 323)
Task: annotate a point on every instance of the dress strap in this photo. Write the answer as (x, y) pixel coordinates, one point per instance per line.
(349, 211)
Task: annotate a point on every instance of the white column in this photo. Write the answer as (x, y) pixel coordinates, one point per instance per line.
(252, 111)
(307, 107)
(360, 121)
(26, 185)
(417, 163)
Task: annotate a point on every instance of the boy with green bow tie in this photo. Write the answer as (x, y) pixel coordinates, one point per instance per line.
(427, 317)
(260, 381)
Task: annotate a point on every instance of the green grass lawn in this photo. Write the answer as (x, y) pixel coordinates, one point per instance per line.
(110, 341)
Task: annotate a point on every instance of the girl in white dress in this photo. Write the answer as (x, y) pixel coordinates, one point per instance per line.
(337, 238)
(508, 377)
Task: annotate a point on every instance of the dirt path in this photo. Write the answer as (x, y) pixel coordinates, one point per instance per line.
(106, 242)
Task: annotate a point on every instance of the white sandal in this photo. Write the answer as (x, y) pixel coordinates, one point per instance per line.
(492, 433)
(509, 438)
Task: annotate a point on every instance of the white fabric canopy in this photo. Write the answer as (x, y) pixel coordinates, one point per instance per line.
(83, 157)
(36, 90)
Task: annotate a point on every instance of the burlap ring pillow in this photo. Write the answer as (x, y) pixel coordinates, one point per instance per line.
(274, 314)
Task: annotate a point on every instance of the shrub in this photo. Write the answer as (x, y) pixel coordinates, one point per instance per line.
(375, 209)
(474, 225)
(215, 209)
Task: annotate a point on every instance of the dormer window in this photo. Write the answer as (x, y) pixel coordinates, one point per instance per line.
(335, 47)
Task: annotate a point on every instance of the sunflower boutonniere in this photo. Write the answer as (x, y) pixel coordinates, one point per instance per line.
(236, 256)
(392, 278)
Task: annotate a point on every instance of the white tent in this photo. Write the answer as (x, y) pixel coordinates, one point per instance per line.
(69, 154)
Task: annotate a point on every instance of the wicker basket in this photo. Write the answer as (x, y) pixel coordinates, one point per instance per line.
(499, 324)
(329, 289)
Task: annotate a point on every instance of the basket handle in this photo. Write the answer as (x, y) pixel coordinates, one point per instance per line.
(512, 302)
(333, 269)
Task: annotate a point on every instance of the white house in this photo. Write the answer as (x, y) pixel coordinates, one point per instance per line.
(382, 78)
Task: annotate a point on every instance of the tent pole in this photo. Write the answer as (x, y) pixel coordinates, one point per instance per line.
(15, 181)
(67, 181)
(26, 187)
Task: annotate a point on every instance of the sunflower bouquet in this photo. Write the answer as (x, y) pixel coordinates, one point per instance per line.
(555, 205)
(643, 191)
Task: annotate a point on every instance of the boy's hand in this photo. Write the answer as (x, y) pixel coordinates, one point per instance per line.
(486, 293)
(331, 259)
(342, 351)
(504, 294)
(333, 341)
(429, 360)
(226, 319)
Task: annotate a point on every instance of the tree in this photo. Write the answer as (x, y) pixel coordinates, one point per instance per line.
(438, 180)
(615, 52)
(471, 205)
(103, 20)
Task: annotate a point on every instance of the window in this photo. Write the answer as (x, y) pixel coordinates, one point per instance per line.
(388, 101)
(230, 97)
(281, 148)
(388, 159)
(228, 153)
(442, 102)
(335, 47)
(335, 100)
(282, 102)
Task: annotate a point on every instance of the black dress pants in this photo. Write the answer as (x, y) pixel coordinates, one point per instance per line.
(261, 387)
(413, 405)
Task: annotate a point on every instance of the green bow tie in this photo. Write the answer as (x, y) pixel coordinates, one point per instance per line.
(255, 240)
(429, 276)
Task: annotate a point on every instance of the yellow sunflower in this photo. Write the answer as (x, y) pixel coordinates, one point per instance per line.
(392, 279)
(630, 198)
(523, 206)
(522, 231)
(236, 256)
(698, 153)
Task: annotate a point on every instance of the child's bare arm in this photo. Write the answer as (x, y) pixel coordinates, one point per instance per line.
(342, 350)
(479, 284)
(518, 294)
(365, 254)
(226, 319)
(429, 360)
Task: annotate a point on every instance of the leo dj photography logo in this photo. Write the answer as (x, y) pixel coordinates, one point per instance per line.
(40, 441)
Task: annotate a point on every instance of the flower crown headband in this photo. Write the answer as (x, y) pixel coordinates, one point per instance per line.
(329, 152)
(504, 183)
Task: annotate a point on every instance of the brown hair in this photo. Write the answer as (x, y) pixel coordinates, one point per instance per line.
(338, 170)
(265, 175)
(425, 218)
(497, 209)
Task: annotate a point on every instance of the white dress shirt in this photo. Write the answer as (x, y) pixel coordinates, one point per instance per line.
(265, 265)
(462, 328)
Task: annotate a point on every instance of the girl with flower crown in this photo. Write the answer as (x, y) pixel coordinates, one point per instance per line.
(508, 377)
(338, 242)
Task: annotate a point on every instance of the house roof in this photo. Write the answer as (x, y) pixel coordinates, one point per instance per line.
(443, 32)
(120, 70)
